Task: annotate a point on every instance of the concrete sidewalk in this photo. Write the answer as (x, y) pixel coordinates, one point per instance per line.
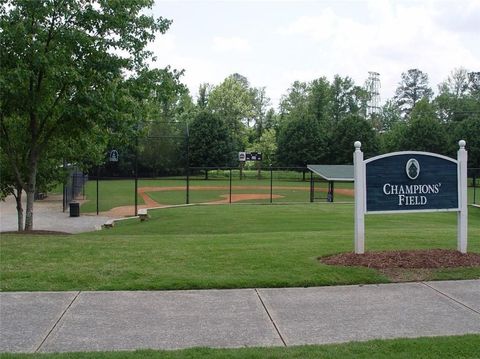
(48, 215)
(93, 321)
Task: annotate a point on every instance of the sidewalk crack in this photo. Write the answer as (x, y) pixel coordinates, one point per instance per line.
(271, 319)
(58, 321)
(451, 298)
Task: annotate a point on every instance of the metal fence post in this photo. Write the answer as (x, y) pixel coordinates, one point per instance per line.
(187, 199)
(98, 171)
(230, 187)
(271, 183)
(136, 174)
(312, 188)
(474, 188)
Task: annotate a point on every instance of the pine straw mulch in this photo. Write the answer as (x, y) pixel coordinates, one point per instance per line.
(407, 265)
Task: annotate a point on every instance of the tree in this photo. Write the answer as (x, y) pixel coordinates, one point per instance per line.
(267, 146)
(346, 99)
(468, 130)
(412, 88)
(210, 144)
(260, 103)
(203, 93)
(302, 141)
(294, 104)
(168, 108)
(456, 84)
(350, 129)
(62, 74)
(458, 99)
(388, 117)
(319, 99)
(424, 132)
(232, 101)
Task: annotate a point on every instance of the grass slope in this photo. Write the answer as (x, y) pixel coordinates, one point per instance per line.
(224, 246)
(458, 347)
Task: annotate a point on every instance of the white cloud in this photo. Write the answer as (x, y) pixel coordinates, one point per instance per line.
(394, 38)
(277, 42)
(231, 44)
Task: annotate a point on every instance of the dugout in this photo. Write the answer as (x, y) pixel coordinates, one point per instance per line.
(330, 174)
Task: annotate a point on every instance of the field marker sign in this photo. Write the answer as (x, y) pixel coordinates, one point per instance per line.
(410, 181)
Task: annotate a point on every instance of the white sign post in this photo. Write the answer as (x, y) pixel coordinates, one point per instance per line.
(393, 183)
(462, 216)
(359, 178)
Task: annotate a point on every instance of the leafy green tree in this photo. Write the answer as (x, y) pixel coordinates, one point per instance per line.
(457, 99)
(474, 83)
(387, 118)
(302, 141)
(294, 105)
(319, 99)
(348, 130)
(210, 143)
(346, 99)
(260, 103)
(424, 132)
(203, 93)
(267, 146)
(168, 108)
(468, 130)
(62, 75)
(412, 88)
(456, 84)
(232, 101)
(391, 140)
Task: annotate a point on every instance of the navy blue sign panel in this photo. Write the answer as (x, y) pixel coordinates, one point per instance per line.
(411, 181)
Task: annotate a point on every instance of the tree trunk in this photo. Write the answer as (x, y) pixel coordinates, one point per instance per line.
(31, 186)
(18, 199)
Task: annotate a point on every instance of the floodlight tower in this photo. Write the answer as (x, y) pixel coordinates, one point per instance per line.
(372, 86)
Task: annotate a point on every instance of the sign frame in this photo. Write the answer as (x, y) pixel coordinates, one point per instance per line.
(360, 189)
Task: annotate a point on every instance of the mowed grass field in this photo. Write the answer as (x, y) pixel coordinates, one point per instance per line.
(224, 246)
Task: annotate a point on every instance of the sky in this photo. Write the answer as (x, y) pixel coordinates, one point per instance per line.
(274, 43)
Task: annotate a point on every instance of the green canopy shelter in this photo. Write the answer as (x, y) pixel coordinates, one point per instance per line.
(331, 174)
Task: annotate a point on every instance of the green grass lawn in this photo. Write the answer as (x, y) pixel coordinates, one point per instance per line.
(458, 347)
(223, 246)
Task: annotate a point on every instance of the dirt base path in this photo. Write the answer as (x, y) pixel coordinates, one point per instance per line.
(344, 191)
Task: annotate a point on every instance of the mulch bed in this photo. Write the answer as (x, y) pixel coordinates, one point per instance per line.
(37, 231)
(431, 258)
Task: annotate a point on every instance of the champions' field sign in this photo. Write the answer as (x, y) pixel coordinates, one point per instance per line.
(403, 182)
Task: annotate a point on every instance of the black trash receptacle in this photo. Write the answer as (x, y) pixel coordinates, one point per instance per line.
(74, 209)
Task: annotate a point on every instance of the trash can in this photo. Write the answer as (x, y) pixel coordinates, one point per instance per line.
(74, 209)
